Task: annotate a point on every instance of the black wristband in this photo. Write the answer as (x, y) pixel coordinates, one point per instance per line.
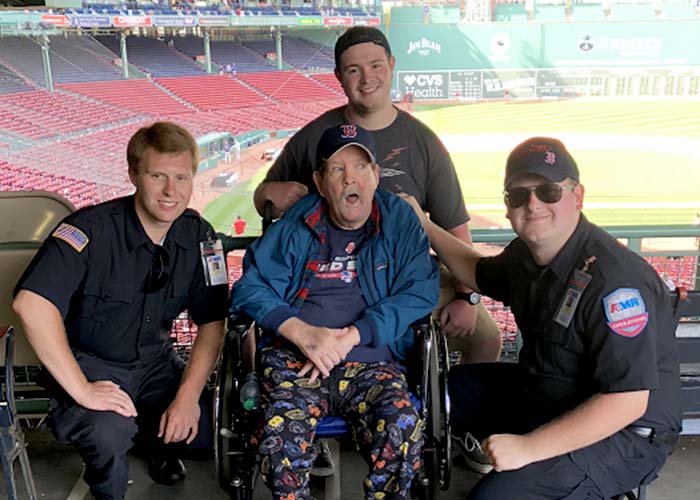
(471, 297)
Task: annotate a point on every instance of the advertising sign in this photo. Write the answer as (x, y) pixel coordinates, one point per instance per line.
(120, 21)
(337, 21)
(365, 21)
(90, 21)
(309, 21)
(213, 20)
(509, 83)
(425, 85)
(55, 20)
(174, 21)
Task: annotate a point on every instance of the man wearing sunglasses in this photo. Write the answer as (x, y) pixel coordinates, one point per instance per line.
(592, 408)
(97, 304)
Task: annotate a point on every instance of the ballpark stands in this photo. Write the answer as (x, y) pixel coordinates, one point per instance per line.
(213, 92)
(10, 82)
(330, 81)
(153, 55)
(40, 114)
(226, 52)
(288, 86)
(137, 95)
(73, 59)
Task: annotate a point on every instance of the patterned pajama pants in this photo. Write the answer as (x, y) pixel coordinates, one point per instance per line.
(372, 397)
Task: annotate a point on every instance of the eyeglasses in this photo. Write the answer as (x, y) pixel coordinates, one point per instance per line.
(548, 192)
(158, 276)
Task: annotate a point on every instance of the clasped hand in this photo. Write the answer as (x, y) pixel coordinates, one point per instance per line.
(323, 347)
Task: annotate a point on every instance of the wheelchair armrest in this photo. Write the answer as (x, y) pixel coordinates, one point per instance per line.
(230, 243)
(421, 324)
(239, 322)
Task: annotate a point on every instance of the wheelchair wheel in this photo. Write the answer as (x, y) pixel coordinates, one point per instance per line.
(232, 449)
(439, 410)
(435, 475)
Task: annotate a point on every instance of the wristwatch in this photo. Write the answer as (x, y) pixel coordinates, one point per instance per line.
(472, 297)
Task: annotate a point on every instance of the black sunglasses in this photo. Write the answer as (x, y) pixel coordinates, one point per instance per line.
(548, 192)
(158, 276)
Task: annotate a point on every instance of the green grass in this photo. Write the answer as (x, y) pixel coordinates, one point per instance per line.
(619, 175)
(238, 201)
(612, 149)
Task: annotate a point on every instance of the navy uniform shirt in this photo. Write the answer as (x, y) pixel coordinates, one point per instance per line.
(621, 336)
(94, 269)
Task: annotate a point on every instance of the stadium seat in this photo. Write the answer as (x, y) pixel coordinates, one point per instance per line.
(26, 218)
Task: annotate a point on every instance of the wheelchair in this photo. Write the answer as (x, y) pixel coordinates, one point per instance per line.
(235, 456)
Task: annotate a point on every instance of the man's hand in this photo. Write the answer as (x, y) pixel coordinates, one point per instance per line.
(507, 451)
(320, 345)
(346, 339)
(282, 195)
(105, 395)
(415, 206)
(180, 421)
(458, 318)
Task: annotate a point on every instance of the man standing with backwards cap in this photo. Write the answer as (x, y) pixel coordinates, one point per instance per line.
(335, 284)
(592, 409)
(411, 158)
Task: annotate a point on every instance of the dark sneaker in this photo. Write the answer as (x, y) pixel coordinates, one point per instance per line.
(473, 454)
(323, 465)
(167, 471)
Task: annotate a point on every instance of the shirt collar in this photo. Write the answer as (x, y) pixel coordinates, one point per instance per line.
(566, 259)
(136, 235)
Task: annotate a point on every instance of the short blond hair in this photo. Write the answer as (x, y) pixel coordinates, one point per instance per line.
(162, 137)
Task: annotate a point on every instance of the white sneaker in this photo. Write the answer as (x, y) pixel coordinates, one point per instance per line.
(473, 454)
(323, 465)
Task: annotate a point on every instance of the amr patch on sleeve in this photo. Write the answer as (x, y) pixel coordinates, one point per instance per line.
(71, 235)
(626, 312)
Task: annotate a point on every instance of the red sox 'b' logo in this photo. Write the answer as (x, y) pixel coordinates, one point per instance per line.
(349, 131)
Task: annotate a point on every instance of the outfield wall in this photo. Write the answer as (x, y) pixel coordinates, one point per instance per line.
(448, 61)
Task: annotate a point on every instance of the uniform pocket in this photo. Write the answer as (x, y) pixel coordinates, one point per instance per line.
(105, 298)
(176, 300)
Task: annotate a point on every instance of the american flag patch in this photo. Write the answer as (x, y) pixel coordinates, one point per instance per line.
(71, 235)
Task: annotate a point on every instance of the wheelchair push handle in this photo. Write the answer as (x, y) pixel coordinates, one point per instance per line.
(250, 392)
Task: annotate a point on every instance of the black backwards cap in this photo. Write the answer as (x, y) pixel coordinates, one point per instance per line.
(359, 34)
(543, 156)
(340, 137)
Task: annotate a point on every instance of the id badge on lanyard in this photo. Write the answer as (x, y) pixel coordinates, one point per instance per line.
(578, 281)
(213, 262)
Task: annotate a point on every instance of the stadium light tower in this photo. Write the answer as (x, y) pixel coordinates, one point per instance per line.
(475, 11)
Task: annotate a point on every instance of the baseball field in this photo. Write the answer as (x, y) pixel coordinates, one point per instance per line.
(639, 160)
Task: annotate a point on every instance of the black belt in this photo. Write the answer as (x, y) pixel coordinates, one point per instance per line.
(668, 438)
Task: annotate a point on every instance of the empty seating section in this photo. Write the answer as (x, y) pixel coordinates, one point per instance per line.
(137, 95)
(330, 81)
(212, 92)
(73, 59)
(154, 55)
(98, 157)
(22, 55)
(10, 82)
(41, 115)
(225, 52)
(679, 270)
(14, 178)
(288, 86)
(286, 115)
(306, 55)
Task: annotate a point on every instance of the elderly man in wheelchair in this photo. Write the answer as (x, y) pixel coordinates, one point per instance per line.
(335, 285)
